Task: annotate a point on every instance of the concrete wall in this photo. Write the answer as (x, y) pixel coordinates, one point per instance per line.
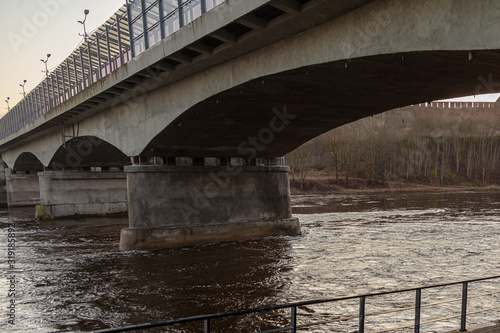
(22, 189)
(182, 205)
(68, 193)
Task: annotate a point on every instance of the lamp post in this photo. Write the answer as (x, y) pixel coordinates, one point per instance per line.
(45, 62)
(22, 86)
(85, 36)
(7, 101)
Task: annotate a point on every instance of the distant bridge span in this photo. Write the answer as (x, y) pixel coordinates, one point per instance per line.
(259, 78)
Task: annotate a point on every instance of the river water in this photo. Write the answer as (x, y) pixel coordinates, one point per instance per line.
(70, 276)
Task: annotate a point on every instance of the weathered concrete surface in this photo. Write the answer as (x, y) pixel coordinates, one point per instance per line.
(184, 205)
(22, 189)
(70, 193)
(400, 53)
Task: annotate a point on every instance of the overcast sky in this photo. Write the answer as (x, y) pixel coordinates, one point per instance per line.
(29, 29)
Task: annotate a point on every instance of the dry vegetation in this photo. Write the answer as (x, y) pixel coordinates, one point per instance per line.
(403, 148)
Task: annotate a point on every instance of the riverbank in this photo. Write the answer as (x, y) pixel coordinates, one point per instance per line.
(326, 183)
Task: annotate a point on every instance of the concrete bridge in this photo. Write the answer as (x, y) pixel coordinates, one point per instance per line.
(186, 106)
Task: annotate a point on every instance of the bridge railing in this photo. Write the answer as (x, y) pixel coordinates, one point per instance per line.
(153, 20)
(460, 313)
(133, 29)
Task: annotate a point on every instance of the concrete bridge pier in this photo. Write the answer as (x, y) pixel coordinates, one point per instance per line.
(180, 205)
(74, 193)
(3, 185)
(22, 188)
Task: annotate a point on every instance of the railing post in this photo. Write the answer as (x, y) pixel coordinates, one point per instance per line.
(67, 88)
(119, 38)
(55, 88)
(207, 325)
(293, 320)
(44, 96)
(28, 106)
(418, 304)
(180, 10)
(75, 74)
(145, 24)
(162, 17)
(58, 86)
(99, 62)
(38, 102)
(463, 323)
(91, 67)
(362, 303)
(131, 31)
(203, 6)
(49, 94)
(109, 68)
(84, 80)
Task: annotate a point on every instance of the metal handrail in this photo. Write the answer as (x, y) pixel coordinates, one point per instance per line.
(206, 319)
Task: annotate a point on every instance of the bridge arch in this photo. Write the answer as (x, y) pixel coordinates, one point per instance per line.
(27, 162)
(85, 152)
(272, 115)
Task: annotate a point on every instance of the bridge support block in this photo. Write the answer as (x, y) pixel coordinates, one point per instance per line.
(173, 206)
(22, 189)
(73, 193)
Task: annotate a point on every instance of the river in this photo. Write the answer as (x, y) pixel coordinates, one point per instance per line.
(70, 275)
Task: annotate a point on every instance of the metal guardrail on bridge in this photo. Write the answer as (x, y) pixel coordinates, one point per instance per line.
(206, 321)
(134, 28)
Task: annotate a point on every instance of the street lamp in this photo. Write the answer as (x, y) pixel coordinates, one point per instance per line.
(86, 12)
(7, 101)
(45, 62)
(22, 86)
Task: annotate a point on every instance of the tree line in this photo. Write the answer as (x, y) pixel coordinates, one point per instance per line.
(431, 147)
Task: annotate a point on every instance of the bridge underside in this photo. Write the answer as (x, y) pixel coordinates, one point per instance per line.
(86, 152)
(319, 98)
